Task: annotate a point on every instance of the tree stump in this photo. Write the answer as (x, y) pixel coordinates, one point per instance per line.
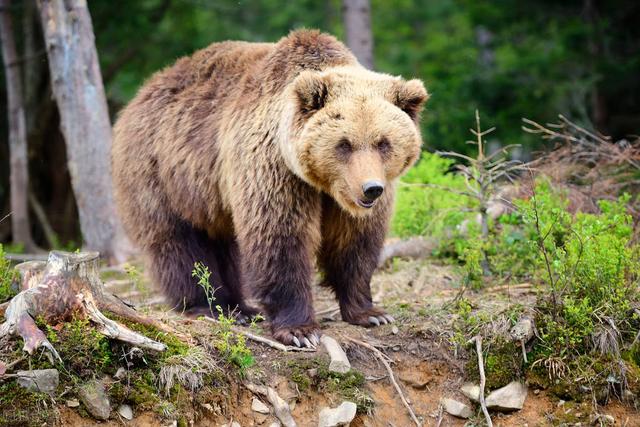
(68, 285)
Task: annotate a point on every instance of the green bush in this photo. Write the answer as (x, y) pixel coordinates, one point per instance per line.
(424, 206)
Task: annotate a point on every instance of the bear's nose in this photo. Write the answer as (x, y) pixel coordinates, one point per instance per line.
(372, 189)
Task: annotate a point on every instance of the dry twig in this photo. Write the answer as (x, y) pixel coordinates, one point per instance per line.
(383, 358)
(263, 340)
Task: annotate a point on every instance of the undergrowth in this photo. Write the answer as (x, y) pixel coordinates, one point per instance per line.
(7, 278)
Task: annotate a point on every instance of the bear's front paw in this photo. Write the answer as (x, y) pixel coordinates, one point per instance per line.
(300, 336)
(366, 317)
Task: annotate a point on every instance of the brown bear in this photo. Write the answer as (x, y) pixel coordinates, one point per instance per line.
(263, 160)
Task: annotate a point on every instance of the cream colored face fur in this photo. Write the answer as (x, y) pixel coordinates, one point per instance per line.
(348, 126)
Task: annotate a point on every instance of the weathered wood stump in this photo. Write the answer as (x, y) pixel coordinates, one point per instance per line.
(68, 285)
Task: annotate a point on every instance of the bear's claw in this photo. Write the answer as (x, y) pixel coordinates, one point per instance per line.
(368, 317)
(306, 336)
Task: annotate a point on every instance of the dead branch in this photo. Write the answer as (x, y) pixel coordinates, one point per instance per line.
(383, 358)
(414, 247)
(263, 340)
(483, 404)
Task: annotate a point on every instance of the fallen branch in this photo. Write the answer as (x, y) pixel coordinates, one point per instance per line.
(383, 358)
(263, 340)
(483, 404)
(414, 247)
(280, 406)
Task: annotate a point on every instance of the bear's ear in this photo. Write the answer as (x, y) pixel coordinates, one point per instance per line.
(410, 97)
(311, 91)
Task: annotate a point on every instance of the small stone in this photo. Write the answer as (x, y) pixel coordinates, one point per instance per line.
(232, 424)
(455, 408)
(207, 406)
(275, 424)
(313, 372)
(508, 398)
(42, 380)
(339, 362)
(471, 391)
(120, 374)
(394, 330)
(73, 403)
(125, 412)
(523, 330)
(608, 419)
(258, 406)
(536, 391)
(94, 397)
(340, 416)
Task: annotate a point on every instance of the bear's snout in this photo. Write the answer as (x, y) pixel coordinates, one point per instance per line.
(372, 189)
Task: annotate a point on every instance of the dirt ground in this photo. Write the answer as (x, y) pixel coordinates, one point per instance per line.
(425, 362)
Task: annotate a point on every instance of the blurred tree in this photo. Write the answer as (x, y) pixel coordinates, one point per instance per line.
(357, 25)
(20, 225)
(77, 86)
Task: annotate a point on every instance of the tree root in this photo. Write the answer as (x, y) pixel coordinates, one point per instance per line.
(384, 359)
(478, 340)
(68, 286)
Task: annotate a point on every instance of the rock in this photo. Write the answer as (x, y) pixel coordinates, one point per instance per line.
(455, 408)
(275, 424)
(232, 424)
(94, 397)
(125, 412)
(508, 398)
(339, 362)
(120, 374)
(419, 382)
(471, 391)
(394, 330)
(340, 416)
(523, 330)
(42, 380)
(73, 403)
(313, 372)
(258, 406)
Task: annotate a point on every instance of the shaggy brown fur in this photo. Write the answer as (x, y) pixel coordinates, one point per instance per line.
(251, 158)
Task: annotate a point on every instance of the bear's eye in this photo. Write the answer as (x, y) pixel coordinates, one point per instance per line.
(384, 146)
(344, 147)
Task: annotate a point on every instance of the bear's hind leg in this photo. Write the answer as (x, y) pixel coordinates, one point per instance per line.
(172, 262)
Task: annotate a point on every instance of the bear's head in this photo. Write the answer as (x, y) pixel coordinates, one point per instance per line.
(350, 132)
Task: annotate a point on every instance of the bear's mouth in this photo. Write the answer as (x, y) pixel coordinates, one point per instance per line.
(366, 203)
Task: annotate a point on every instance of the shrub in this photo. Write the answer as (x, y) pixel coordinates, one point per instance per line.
(424, 205)
(7, 278)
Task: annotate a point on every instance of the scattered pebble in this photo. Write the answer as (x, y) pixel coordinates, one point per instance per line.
(340, 416)
(42, 380)
(73, 403)
(394, 330)
(258, 406)
(94, 397)
(339, 362)
(508, 398)
(455, 408)
(120, 374)
(125, 412)
(471, 391)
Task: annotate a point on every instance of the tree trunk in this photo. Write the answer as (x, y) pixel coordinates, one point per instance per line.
(79, 93)
(19, 175)
(357, 24)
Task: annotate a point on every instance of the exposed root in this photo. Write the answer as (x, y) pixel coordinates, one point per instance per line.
(483, 404)
(67, 286)
(384, 359)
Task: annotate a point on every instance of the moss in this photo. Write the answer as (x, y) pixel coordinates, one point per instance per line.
(349, 386)
(20, 407)
(502, 364)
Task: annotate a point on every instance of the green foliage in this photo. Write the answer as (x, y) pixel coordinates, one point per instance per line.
(232, 346)
(7, 277)
(424, 206)
(202, 273)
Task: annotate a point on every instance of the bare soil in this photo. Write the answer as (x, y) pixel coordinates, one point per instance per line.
(425, 362)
